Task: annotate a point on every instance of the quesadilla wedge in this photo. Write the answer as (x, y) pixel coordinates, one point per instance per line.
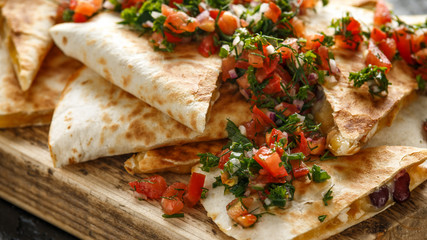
(177, 159)
(355, 180)
(25, 29)
(35, 106)
(180, 84)
(94, 118)
(349, 115)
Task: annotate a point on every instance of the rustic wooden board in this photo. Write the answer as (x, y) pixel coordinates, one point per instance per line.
(93, 201)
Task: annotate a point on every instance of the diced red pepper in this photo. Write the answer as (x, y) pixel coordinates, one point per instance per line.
(299, 168)
(378, 35)
(194, 190)
(275, 136)
(172, 198)
(376, 57)
(260, 118)
(382, 14)
(224, 158)
(388, 47)
(403, 44)
(270, 162)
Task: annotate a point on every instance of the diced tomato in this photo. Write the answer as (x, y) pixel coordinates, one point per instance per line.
(259, 117)
(224, 157)
(73, 4)
(207, 24)
(348, 43)
(88, 8)
(303, 146)
(79, 18)
(314, 41)
(421, 56)
(228, 23)
(299, 169)
(287, 109)
(271, 64)
(261, 75)
(194, 190)
(207, 47)
(131, 3)
(308, 4)
(270, 162)
(284, 75)
(243, 62)
(243, 23)
(247, 220)
(273, 85)
(166, 10)
(298, 26)
(152, 187)
(172, 198)
(378, 35)
(291, 48)
(317, 146)
(255, 59)
(273, 12)
(376, 57)
(419, 41)
(214, 13)
(243, 81)
(388, 47)
(275, 136)
(382, 14)
(180, 22)
(172, 3)
(324, 57)
(403, 44)
(353, 26)
(171, 38)
(228, 64)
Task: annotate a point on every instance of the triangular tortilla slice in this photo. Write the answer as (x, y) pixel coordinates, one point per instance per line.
(177, 159)
(353, 178)
(94, 119)
(26, 33)
(35, 106)
(349, 115)
(407, 128)
(181, 84)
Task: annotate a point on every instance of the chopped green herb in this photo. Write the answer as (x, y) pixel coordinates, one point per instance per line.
(322, 218)
(328, 196)
(177, 215)
(204, 192)
(375, 77)
(279, 194)
(421, 83)
(234, 133)
(319, 175)
(327, 156)
(67, 16)
(325, 2)
(208, 161)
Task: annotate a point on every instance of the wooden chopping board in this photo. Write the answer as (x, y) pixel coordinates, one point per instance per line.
(93, 201)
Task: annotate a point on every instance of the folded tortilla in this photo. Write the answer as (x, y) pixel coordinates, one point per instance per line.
(26, 33)
(176, 159)
(349, 115)
(94, 119)
(353, 178)
(35, 106)
(181, 84)
(407, 128)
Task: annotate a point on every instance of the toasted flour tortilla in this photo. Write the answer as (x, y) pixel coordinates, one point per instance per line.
(349, 115)
(406, 129)
(35, 106)
(353, 178)
(181, 84)
(177, 159)
(94, 119)
(25, 31)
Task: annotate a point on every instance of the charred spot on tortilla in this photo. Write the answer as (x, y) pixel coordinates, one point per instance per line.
(64, 40)
(102, 61)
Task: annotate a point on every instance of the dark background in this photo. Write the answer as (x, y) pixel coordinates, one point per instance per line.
(18, 224)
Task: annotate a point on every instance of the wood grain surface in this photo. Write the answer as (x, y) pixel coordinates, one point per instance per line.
(93, 201)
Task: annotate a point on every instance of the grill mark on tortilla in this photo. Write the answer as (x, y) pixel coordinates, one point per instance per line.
(107, 76)
(126, 80)
(74, 150)
(102, 61)
(64, 40)
(71, 160)
(114, 127)
(106, 118)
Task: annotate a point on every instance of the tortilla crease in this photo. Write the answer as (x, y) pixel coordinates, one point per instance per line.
(353, 178)
(35, 106)
(94, 119)
(176, 159)
(26, 33)
(181, 84)
(406, 129)
(349, 115)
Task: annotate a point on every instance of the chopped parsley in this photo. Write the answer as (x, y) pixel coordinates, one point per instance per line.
(176, 215)
(279, 194)
(234, 133)
(328, 196)
(208, 161)
(322, 218)
(375, 77)
(319, 175)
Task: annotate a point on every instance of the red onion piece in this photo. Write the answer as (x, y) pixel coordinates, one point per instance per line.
(271, 115)
(233, 73)
(148, 24)
(244, 93)
(298, 103)
(333, 65)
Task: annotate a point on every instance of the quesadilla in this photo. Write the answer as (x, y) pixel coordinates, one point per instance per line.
(349, 115)
(25, 30)
(354, 179)
(35, 106)
(181, 84)
(94, 119)
(177, 159)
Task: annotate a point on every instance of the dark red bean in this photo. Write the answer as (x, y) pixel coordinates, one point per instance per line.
(380, 197)
(401, 191)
